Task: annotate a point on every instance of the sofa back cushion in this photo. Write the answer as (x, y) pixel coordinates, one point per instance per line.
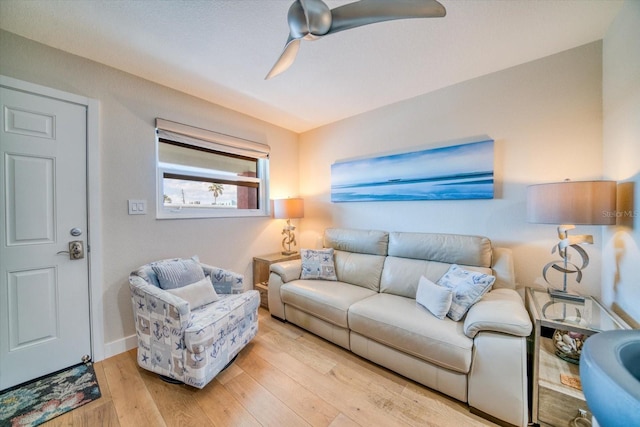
(447, 248)
(359, 255)
(400, 276)
(412, 255)
(359, 269)
(371, 242)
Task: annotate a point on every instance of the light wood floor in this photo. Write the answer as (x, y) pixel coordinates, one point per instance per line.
(284, 377)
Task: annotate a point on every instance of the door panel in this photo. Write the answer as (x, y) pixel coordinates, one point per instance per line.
(44, 295)
(30, 217)
(30, 123)
(33, 291)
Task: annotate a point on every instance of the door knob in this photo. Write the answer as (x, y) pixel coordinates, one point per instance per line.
(76, 250)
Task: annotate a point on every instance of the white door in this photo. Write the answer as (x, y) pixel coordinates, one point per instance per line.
(44, 295)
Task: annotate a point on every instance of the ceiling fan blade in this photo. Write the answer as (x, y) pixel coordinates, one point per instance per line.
(287, 57)
(366, 12)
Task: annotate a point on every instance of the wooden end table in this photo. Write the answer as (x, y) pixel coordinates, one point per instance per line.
(261, 266)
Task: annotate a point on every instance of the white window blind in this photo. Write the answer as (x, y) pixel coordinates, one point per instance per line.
(210, 140)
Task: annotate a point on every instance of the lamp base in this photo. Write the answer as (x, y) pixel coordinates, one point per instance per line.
(289, 252)
(560, 294)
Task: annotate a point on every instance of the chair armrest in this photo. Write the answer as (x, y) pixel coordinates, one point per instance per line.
(150, 301)
(224, 281)
(287, 270)
(500, 310)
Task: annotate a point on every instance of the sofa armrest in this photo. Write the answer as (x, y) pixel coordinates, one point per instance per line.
(224, 281)
(281, 273)
(287, 270)
(500, 310)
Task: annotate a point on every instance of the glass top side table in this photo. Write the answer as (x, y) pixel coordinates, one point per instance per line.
(554, 403)
(587, 317)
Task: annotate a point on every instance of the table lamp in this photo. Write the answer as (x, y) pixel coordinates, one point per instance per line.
(288, 209)
(568, 203)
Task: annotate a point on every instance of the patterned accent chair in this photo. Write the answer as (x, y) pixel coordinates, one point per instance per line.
(187, 333)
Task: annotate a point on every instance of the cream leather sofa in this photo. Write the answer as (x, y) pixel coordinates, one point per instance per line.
(371, 311)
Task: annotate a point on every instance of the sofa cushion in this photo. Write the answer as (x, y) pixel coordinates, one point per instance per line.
(361, 241)
(317, 264)
(400, 276)
(449, 248)
(324, 299)
(359, 269)
(399, 323)
(231, 316)
(467, 287)
(435, 298)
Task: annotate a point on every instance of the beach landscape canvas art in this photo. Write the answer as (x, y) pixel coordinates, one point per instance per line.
(446, 173)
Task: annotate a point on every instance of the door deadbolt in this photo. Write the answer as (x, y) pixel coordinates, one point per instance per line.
(76, 250)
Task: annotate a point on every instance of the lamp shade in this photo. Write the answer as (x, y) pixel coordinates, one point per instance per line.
(572, 202)
(288, 208)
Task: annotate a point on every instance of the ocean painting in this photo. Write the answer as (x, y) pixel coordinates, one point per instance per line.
(447, 173)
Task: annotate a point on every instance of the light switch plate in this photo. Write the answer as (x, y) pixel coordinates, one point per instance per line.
(137, 207)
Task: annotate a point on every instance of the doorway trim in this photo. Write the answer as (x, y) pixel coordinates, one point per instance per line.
(94, 197)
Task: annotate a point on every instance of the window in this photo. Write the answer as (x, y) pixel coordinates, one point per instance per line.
(203, 174)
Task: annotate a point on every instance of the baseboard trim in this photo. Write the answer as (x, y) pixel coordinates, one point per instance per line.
(120, 346)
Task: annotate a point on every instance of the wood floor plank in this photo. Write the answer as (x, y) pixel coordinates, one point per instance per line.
(176, 402)
(343, 421)
(263, 405)
(268, 323)
(100, 416)
(131, 398)
(339, 355)
(105, 391)
(222, 408)
(306, 404)
(229, 373)
(309, 358)
(449, 412)
(346, 399)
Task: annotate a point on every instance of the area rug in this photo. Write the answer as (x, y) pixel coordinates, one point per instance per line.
(41, 400)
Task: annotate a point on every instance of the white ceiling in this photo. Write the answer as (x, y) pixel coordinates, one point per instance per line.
(221, 50)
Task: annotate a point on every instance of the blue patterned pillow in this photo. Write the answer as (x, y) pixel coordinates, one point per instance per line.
(176, 273)
(467, 287)
(318, 264)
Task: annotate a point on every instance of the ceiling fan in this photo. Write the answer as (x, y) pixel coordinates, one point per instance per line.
(312, 19)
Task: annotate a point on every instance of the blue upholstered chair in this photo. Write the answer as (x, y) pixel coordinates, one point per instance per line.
(191, 319)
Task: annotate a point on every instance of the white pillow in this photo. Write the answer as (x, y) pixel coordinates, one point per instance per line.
(437, 299)
(467, 287)
(197, 294)
(318, 264)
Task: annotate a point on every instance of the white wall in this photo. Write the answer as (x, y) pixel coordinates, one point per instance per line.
(621, 135)
(546, 119)
(128, 108)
